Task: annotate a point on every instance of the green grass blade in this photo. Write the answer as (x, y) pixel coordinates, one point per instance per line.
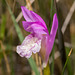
(68, 64)
(18, 30)
(52, 65)
(33, 66)
(52, 11)
(21, 38)
(65, 66)
(2, 31)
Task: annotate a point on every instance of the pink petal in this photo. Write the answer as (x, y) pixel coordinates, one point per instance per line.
(31, 16)
(27, 15)
(54, 26)
(34, 27)
(38, 18)
(48, 41)
(51, 38)
(43, 50)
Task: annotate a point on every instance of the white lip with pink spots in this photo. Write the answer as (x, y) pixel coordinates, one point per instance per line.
(28, 46)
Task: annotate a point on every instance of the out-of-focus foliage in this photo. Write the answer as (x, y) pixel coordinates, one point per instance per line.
(10, 31)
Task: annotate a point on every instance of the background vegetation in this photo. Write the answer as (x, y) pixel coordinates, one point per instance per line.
(12, 34)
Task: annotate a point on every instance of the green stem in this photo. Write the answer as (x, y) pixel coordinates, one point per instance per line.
(51, 12)
(47, 70)
(52, 66)
(65, 65)
(68, 64)
(51, 19)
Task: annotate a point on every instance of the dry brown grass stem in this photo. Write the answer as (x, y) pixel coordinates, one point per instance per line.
(5, 57)
(29, 4)
(40, 63)
(70, 52)
(36, 58)
(14, 5)
(68, 18)
(33, 56)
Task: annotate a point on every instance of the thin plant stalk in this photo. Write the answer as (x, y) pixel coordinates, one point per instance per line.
(60, 38)
(40, 64)
(51, 19)
(47, 70)
(52, 66)
(66, 62)
(51, 11)
(69, 66)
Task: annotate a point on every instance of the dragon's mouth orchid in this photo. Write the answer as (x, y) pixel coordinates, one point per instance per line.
(39, 40)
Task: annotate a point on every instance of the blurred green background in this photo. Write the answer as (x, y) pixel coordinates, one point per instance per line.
(10, 37)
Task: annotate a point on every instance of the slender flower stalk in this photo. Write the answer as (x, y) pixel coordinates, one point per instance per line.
(39, 40)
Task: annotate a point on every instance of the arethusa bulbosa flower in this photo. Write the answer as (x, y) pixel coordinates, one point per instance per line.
(39, 40)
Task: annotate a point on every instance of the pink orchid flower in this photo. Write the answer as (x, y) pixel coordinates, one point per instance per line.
(39, 40)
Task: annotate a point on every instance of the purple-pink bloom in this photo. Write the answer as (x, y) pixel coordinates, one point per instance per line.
(39, 39)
